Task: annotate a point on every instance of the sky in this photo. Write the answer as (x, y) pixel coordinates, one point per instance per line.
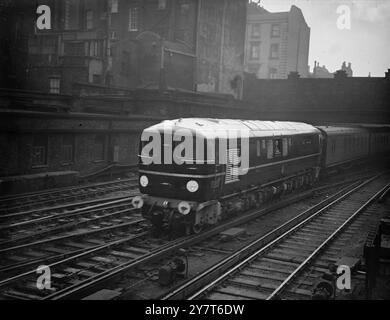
(366, 44)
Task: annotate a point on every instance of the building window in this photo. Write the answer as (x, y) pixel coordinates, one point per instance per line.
(114, 6)
(256, 30)
(68, 148)
(94, 49)
(74, 48)
(89, 19)
(71, 17)
(55, 85)
(275, 31)
(39, 150)
(96, 79)
(274, 51)
(125, 62)
(255, 50)
(162, 4)
(133, 19)
(273, 72)
(99, 147)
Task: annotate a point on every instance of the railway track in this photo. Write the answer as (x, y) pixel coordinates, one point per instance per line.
(76, 278)
(30, 201)
(19, 286)
(71, 238)
(51, 222)
(285, 263)
(41, 214)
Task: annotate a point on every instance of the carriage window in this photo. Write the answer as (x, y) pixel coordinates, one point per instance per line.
(270, 149)
(289, 142)
(263, 144)
(258, 148)
(278, 147)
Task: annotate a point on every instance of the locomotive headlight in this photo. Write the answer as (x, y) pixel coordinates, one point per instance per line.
(144, 181)
(184, 208)
(192, 186)
(137, 202)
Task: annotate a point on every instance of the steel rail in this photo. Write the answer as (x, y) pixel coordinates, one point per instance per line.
(102, 203)
(263, 249)
(65, 197)
(70, 236)
(283, 285)
(77, 290)
(88, 284)
(59, 190)
(69, 225)
(182, 291)
(75, 257)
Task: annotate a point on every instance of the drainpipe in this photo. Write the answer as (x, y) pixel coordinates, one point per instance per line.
(196, 59)
(298, 47)
(222, 46)
(162, 83)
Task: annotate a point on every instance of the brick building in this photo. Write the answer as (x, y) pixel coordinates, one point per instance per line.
(16, 19)
(52, 137)
(48, 139)
(188, 44)
(277, 43)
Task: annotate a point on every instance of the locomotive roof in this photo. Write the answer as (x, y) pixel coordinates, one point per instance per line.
(332, 130)
(216, 127)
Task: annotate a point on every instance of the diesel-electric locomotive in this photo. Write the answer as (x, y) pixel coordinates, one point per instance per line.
(278, 156)
(193, 172)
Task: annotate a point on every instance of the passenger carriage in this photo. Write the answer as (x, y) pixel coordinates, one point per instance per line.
(344, 145)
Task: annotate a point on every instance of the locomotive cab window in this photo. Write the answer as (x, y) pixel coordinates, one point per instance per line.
(278, 147)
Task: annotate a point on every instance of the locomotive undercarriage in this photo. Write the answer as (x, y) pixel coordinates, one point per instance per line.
(168, 217)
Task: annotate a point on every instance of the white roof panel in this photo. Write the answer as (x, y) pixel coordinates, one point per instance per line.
(211, 128)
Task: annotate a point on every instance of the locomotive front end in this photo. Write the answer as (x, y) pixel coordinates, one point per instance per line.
(178, 180)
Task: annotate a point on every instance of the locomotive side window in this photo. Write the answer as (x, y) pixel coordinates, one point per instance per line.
(258, 148)
(285, 147)
(278, 147)
(307, 140)
(333, 146)
(270, 149)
